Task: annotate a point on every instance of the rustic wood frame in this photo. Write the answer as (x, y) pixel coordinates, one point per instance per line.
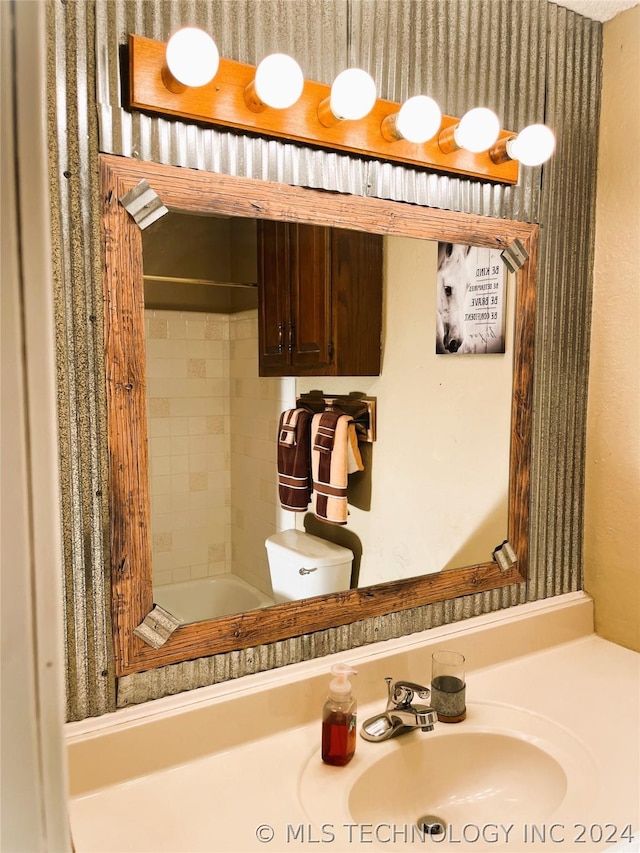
(205, 192)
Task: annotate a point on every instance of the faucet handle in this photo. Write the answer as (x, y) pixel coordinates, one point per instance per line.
(403, 692)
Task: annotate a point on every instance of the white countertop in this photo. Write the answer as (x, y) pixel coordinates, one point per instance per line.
(227, 799)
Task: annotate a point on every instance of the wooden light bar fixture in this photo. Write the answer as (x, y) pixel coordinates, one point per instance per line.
(230, 100)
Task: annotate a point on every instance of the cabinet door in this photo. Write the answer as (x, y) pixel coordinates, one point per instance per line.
(311, 331)
(274, 296)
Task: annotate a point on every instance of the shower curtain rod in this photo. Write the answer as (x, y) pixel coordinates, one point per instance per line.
(171, 279)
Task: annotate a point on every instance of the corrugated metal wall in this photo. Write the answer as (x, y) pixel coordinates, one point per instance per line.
(530, 61)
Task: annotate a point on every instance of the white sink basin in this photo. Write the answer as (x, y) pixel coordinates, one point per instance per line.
(501, 765)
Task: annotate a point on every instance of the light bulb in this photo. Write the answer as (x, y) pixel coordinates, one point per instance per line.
(279, 81)
(418, 119)
(192, 57)
(533, 145)
(353, 94)
(478, 130)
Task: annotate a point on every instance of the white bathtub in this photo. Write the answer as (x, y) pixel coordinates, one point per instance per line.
(208, 598)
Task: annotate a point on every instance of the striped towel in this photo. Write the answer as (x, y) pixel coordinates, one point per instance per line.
(334, 455)
(294, 474)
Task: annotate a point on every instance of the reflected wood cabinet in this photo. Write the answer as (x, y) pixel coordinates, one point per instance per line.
(320, 293)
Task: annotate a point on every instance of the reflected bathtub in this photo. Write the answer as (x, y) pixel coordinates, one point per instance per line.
(209, 598)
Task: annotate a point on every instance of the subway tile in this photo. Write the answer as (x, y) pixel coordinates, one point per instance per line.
(180, 501)
(198, 518)
(214, 424)
(216, 330)
(199, 463)
(195, 328)
(160, 485)
(197, 426)
(175, 368)
(216, 405)
(160, 446)
(159, 466)
(217, 480)
(216, 531)
(179, 426)
(182, 540)
(158, 328)
(162, 542)
(197, 445)
(162, 578)
(200, 500)
(179, 464)
(198, 481)
(159, 407)
(160, 387)
(182, 574)
(214, 368)
(180, 521)
(181, 559)
(177, 327)
(216, 350)
(197, 368)
(159, 427)
(196, 387)
(160, 503)
(217, 461)
(165, 313)
(180, 483)
(179, 445)
(217, 552)
(197, 348)
(198, 572)
(217, 443)
(161, 523)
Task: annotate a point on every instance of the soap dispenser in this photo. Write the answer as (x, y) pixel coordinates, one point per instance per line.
(339, 718)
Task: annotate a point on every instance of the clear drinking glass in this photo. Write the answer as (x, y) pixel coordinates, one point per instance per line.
(448, 686)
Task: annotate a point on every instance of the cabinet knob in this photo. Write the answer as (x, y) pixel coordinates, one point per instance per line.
(292, 336)
(280, 336)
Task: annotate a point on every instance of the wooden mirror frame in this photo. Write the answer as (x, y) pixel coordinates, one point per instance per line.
(196, 192)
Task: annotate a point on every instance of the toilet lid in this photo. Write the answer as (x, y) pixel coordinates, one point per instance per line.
(307, 548)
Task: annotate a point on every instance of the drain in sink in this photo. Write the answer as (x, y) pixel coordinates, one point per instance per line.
(431, 824)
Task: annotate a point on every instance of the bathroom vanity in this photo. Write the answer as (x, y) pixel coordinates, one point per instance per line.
(540, 763)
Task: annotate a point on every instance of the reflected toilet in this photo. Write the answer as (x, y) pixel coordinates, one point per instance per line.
(302, 565)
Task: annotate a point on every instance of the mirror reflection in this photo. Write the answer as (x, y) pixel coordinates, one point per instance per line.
(433, 492)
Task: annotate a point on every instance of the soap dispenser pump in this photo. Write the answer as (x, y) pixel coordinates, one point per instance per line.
(339, 718)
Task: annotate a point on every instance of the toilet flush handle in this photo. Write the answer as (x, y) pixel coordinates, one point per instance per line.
(307, 571)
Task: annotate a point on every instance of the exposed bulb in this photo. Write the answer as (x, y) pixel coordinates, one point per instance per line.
(353, 94)
(478, 130)
(533, 145)
(279, 81)
(419, 119)
(192, 57)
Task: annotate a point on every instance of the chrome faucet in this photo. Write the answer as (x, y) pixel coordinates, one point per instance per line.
(401, 714)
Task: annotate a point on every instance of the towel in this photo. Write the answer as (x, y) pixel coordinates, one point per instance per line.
(334, 454)
(294, 459)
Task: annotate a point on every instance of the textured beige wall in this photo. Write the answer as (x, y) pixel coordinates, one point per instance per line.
(612, 508)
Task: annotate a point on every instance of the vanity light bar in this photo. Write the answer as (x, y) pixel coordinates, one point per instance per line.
(223, 102)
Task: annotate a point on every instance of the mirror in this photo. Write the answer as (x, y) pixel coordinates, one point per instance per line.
(443, 426)
(407, 228)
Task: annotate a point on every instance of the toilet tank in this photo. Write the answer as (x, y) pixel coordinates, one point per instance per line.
(302, 565)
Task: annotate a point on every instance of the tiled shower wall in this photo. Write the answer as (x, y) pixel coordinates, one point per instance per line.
(212, 425)
(255, 409)
(188, 413)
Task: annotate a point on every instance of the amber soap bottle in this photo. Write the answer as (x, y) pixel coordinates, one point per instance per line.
(339, 718)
